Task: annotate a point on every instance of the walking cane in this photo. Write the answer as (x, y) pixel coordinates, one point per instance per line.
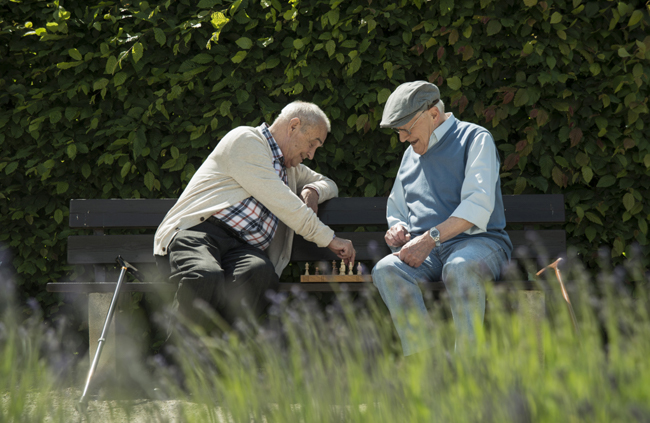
(83, 401)
(565, 294)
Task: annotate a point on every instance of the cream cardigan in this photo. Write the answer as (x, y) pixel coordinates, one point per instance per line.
(241, 166)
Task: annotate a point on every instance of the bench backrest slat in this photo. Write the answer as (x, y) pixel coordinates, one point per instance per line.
(90, 249)
(148, 213)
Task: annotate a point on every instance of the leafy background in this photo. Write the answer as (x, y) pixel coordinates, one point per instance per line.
(125, 99)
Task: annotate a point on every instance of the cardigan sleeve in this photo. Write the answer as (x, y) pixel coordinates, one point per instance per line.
(250, 164)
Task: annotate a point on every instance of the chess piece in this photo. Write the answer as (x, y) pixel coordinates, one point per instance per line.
(317, 271)
(342, 268)
(306, 269)
(333, 267)
(350, 271)
(359, 272)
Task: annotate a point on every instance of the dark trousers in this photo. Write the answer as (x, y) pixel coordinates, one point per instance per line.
(210, 263)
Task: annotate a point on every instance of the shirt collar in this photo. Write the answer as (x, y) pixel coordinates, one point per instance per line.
(275, 148)
(440, 131)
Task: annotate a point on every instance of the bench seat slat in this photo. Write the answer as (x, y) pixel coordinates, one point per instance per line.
(163, 288)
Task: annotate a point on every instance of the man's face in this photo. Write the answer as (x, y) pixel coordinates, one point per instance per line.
(302, 144)
(421, 128)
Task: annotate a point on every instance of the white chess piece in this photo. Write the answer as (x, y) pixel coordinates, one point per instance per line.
(306, 269)
(342, 268)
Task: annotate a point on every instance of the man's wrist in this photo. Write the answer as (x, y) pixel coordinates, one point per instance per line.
(312, 189)
(434, 235)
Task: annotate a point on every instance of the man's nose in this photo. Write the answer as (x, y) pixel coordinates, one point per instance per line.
(403, 136)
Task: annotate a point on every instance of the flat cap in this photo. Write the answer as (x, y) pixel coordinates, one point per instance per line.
(408, 99)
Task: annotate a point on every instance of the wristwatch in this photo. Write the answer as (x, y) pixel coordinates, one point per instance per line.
(435, 235)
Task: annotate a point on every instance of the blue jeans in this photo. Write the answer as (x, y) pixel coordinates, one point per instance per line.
(463, 267)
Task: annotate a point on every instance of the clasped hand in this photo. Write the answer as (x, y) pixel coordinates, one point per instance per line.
(414, 251)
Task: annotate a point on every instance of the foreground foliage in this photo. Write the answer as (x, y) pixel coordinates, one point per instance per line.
(125, 99)
(343, 363)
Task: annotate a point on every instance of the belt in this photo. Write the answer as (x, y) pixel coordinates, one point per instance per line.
(228, 229)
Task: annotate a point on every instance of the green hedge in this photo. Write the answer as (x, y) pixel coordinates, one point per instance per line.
(113, 99)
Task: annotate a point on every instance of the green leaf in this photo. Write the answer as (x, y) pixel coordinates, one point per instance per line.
(202, 58)
(85, 170)
(454, 83)
(606, 181)
(520, 185)
(530, 3)
(126, 169)
(241, 55)
(74, 53)
(636, 17)
(11, 167)
(61, 187)
(558, 177)
(111, 64)
(618, 248)
(622, 52)
(224, 109)
(594, 68)
(55, 116)
(556, 17)
(591, 216)
(159, 34)
(370, 191)
(643, 225)
(138, 50)
(591, 233)
(494, 26)
(208, 4)
(119, 79)
(58, 216)
(101, 84)
(521, 98)
(628, 201)
(383, 95)
(330, 47)
(354, 66)
(68, 65)
(245, 43)
(587, 174)
(72, 151)
(333, 16)
(550, 61)
(149, 179)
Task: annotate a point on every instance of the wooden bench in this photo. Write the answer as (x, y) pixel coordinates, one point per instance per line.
(534, 226)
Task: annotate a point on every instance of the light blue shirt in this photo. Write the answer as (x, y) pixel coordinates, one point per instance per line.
(478, 189)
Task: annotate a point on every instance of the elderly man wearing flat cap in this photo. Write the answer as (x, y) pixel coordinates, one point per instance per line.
(445, 216)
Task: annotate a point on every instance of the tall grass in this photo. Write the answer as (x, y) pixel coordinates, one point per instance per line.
(343, 363)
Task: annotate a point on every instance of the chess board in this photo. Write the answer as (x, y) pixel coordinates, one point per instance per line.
(335, 278)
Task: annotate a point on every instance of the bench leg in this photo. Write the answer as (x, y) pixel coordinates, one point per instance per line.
(98, 304)
(532, 309)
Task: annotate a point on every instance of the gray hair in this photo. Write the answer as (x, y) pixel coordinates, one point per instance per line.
(441, 106)
(309, 114)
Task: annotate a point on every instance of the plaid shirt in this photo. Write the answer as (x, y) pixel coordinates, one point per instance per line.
(253, 222)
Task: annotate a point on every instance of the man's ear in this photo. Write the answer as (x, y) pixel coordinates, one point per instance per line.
(434, 112)
(294, 124)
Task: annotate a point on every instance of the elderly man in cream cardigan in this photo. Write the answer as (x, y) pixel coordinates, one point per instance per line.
(229, 235)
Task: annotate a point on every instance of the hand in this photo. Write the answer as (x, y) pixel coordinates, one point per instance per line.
(309, 196)
(397, 236)
(343, 249)
(416, 251)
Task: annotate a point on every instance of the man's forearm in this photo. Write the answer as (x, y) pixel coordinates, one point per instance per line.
(452, 227)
